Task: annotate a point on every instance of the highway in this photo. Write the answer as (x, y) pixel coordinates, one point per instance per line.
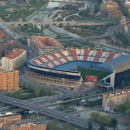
(52, 113)
(65, 96)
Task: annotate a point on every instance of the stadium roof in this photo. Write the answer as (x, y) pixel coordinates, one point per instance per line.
(117, 63)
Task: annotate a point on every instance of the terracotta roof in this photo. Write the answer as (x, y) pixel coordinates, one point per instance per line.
(128, 24)
(15, 53)
(44, 42)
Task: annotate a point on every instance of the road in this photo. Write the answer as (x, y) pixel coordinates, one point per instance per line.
(52, 113)
(65, 96)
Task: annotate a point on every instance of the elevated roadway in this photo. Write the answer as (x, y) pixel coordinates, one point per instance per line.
(65, 96)
(52, 113)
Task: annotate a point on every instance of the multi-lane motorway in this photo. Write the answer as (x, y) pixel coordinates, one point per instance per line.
(52, 113)
(65, 96)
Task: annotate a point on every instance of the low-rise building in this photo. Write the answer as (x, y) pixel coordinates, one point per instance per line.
(43, 44)
(109, 6)
(107, 1)
(7, 119)
(114, 14)
(9, 80)
(28, 126)
(113, 99)
(14, 59)
(127, 28)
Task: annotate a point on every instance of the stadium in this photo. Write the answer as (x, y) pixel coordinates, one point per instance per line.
(68, 67)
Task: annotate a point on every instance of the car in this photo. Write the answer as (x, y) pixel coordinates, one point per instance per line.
(14, 102)
(67, 117)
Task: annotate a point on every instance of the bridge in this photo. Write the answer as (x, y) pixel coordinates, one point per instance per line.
(52, 113)
(57, 23)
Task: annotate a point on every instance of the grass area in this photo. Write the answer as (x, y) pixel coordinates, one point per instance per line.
(122, 38)
(38, 4)
(87, 30)
(85, 71)
(59, 19)
(30, 29)
(13, 13)
(2, 41)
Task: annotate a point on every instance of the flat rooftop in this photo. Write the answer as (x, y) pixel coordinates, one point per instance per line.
(118, 92)
(6, 114)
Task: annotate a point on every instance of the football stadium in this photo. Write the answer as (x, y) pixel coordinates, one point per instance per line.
(68, 68)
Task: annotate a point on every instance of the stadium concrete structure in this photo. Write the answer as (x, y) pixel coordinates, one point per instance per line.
(43, 69)
(43, 44)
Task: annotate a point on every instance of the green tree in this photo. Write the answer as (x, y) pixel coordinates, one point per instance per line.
(113, 122)
(67, 126)
(96, 8)
(84, 13)
(121, 108)
(36, 91)
(127, 112)
(53, 124)
(124, 9)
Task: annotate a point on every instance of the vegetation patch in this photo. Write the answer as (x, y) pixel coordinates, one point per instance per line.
(104, 120)
(31, 92)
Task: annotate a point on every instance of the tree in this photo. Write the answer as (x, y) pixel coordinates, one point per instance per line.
(113, 122)
(121, 108)
(127, 112)
(67, 126)
(84, 13)
(53, 124)
(125, 10)
(96, 8)
(90, 126)
(36, 91)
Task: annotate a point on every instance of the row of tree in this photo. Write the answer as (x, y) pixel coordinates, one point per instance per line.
(125, 107)
(104, 120)
(31, 92)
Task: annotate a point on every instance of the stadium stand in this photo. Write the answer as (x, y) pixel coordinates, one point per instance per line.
(42, 69)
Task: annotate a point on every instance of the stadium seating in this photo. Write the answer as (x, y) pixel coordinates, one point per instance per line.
(66, 55)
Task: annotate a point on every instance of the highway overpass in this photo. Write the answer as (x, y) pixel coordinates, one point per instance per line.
(52, 113)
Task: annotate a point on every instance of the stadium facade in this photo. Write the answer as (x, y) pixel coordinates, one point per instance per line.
(42, 69)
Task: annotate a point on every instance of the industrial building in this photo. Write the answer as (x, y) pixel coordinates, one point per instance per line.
(43, 44)
(9, 80)
(113, 99)
(14, 59)
(7, 119)
(28, 126)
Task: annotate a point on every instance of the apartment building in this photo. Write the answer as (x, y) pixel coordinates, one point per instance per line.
(28, 126)
(43, 44)
(9, 80)
(7, 119)
(114, 14)
(109, 6)
(14, 59)
(113, 99)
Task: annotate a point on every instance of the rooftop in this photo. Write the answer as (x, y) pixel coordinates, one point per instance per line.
(118, 60)
(7, 114)
(36, 123)
(118, 92)
(15, 53)
(44, 42)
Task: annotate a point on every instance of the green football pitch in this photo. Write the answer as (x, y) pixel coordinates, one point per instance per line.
(85, 71)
